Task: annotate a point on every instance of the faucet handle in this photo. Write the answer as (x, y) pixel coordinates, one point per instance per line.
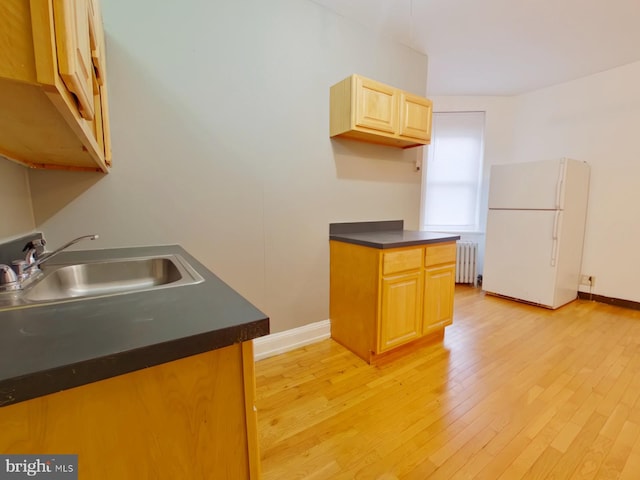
(20, 267)
(8, 279)
(30, 258)
(34, 244)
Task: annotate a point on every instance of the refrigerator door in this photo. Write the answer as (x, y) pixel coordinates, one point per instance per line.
(521, 254)
(528, 186)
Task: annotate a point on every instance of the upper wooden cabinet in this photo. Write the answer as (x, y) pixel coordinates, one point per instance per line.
(53, 94)
(370, 111)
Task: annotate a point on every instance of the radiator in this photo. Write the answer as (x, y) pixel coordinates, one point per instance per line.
(466, 261)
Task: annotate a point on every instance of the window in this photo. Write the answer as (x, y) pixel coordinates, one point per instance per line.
(453, 172)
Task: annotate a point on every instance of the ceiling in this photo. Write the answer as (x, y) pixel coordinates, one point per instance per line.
(505, 47)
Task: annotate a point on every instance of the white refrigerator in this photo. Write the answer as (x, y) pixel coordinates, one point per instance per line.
(535, 231)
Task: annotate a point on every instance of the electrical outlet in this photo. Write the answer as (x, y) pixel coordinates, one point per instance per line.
(592, 280)
(586, 280)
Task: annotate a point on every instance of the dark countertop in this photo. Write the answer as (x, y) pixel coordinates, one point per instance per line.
(54, 347)
(393, 238)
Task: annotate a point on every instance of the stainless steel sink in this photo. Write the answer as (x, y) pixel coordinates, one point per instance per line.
(104, 278)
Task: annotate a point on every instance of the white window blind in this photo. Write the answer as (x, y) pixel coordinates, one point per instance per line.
(453, 172)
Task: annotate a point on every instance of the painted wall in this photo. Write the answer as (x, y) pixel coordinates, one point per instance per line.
(498, 145)
(592, 119)
(15, 201)
(595, 119)
(220, 120)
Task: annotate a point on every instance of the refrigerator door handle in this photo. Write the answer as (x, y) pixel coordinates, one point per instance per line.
(554, 252)
(556, 228)
(560, 184)
(556, 224)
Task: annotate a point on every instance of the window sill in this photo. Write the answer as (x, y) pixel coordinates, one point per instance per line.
(448, 230)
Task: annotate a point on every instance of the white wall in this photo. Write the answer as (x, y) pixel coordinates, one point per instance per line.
(220, 144)
(220, 121)
(595, 119)
(498, 144)
(15, 201)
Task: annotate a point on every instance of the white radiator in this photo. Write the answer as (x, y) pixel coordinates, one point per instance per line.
(466, 261)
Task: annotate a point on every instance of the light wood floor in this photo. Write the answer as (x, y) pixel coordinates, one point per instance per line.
(513, 392)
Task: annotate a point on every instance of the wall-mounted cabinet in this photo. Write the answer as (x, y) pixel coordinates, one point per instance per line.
(370, 111)
(53, 93)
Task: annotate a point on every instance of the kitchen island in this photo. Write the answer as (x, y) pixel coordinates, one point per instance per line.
(151, 384)
(390, 289)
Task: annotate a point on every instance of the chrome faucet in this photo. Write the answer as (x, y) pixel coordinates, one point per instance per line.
(13, 278)
(49, 255)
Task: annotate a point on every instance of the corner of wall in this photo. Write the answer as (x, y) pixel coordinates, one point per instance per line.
(15, 195)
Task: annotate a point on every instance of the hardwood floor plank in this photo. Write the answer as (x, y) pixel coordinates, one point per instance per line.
(513, 391)
(580, 447)
(503, 459)
(564, 438)
(544, 464)
(614, 463)
(453, 464)
(632, 462)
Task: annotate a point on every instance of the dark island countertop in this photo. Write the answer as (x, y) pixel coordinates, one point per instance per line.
(49, 348)
(385, 234)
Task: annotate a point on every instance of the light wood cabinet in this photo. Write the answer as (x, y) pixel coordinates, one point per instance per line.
(366, 110)
(415, 117)
(193, 418)
(383, 299)
(439, 285)
(53, 93)
(375, 106)
(400, 320)
(400, 309)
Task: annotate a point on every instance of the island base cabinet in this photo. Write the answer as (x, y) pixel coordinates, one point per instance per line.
(191, 418)
(387, 301)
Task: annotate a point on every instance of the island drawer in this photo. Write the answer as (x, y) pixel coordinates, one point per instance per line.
(441, 253)
(401, 260)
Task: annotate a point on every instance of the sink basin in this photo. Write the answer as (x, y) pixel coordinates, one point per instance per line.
(105, 278)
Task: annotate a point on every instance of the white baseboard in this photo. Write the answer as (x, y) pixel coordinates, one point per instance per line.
(281, 342)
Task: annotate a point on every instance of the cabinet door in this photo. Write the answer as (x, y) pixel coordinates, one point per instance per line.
(439, 284)
(96, 35)
(400, 310)
(376, 106)
(415, 117)
(98, 57)
(73, 45)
